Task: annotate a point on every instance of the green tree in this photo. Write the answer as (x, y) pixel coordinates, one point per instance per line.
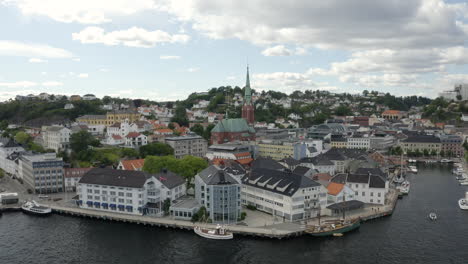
(3, 125)
(198, 129)
(156, 149)
(343, 110)
(129, 153)
(166, 206)
(154, 164)
(81, 141)
(207, 132)
(22, 138)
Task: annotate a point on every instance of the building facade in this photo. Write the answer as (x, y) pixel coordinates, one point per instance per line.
(56, 137)
(229, 130)
(220, 193)
(421, 143)
(42, 173)
(248, 108)
(193, 145)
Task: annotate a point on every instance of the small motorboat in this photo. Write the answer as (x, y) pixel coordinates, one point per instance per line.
(464, 182)
(412, 169)
(32, 207)
(445, 161)
(214, 233)
(404, 188)
(337, 234)
(433, 216)
(463, 202)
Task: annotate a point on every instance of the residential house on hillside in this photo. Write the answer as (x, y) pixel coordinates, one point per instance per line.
(135, 164)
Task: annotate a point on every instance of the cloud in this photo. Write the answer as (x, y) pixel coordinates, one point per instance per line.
(19, 84)
(104, 70)
(132, 37)
(43, 73)
(281, 50)
(83, 75)
(15, 48)
(83, 11)
(76, 59)
(230, 78)
(326, 24)
(52, 84)
(169, 57)
(36, 60)
(193, 69)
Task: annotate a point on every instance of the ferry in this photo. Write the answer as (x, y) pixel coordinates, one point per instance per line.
(33, 207)
(463, 202)
(332, 228)
(219, 232)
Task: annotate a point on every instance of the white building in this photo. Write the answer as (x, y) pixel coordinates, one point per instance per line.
(72, 176)
(7, 148)
(193, 145)
(135, 139)
(358, 142)
(56, 137)
(369, 185)
(89, 97)
(128, 192)
(283, 194)
(42, 173)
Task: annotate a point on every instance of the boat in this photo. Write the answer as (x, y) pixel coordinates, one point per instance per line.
(413, 169)
(464, 182)
(412, 161)
(33, 207)
(463, 202)
(337, 234)
(404, 188)
(433, 216)
(462, 177)
(219, 232)
(399, 179)
(333, 227)
(445, 161)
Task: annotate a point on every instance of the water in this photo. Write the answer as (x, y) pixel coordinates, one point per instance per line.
(405, 237)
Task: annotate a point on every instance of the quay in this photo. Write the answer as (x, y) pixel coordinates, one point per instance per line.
(275, 231)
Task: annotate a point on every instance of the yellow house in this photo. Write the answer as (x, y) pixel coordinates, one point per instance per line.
(276, 150)
(339, 142)
(109, 118)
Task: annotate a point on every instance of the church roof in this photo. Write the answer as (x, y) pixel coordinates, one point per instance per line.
(233, 125)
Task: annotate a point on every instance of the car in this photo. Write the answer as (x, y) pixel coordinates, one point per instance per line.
(42, 196)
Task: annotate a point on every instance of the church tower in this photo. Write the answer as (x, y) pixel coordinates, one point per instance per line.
(248, 108)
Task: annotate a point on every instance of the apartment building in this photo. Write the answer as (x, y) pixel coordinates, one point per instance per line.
(193, 145)
(42, 173)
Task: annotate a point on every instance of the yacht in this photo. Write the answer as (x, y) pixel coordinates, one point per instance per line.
(33, 207)
(413, 169)
(445, 161)
(433, 216)
(398, 179)
(464, 182)
(404, 187)
(219, 232)
(463, 202)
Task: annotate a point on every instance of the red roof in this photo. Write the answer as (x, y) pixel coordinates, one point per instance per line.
(133, 134)
(335, 188)
(132, 164)
(242, 154)
(164, 130)
(391, 112)
(245, 161)
(116, 137)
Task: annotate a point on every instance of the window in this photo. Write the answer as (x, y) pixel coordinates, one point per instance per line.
(90, 197)
(363, 193)
(121, 194)
(129, 194)
(121, 200)
(378, 195)
(96, 191)
(371, 193)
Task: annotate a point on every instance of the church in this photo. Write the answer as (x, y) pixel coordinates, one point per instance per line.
(237, 129)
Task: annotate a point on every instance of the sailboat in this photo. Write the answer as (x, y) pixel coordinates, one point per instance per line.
(400, 178)
(334, 227)
(463, 202)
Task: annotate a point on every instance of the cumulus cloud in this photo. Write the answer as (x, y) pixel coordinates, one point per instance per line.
(19, 84)
(36, 51)
(83, 75)
(52, 84)
(132, 37)
(36, 60)
(326, 24)
(281, 50)
(194, 69)
(83, 11)
(169, 57)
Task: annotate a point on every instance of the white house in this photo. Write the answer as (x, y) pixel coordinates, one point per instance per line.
(56, 137)
(89, 97)
(135, 139)
(283, 194)
(128, 192)
(7, 148)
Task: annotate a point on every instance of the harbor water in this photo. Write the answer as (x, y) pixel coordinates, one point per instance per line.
(408, 236)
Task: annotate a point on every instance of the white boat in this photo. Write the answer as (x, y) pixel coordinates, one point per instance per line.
(462, 177)
(214, 233)
(405, 187)
(399, 179)
(463, 202)
(413, 169)
(433, 216)
(412, 161)
(445, 161)
(464, 182)
(458, 171)
(33, 207)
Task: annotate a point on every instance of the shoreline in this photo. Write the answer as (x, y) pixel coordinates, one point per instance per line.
(271, 231)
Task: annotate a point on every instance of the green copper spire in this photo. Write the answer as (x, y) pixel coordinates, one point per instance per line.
(248, 91)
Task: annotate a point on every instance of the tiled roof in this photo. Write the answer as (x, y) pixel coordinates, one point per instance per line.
(391, 112)
(133, 135)
(335, 188)
(135, 164)
(116, 137)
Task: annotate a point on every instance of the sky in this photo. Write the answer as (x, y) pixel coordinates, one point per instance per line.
(166, 49)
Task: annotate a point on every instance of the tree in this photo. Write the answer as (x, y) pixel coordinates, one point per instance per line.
(207, 132)
(156, 149)
(425, 152)
(155, 164)
(201, 215)
(442, 153)
(166, 206)
(129, 153)
(22, 138)
(189, 166)
(343, 110)
(198, 129)
(186, 167)
(3, 125)
(81, 141)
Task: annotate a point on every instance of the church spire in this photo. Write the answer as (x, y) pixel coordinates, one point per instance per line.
(248, 91)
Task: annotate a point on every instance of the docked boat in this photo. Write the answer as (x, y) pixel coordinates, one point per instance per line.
(404, 188)
(412, 169)
(433, 216)
(33, 207)
(462, 177)
(463, 202)
(219, 232)
(445, 161)
(334, 227)
(399, 179)
(464, 182)
(412, 161)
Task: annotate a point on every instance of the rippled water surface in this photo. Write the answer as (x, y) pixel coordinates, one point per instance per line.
(405, 237)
